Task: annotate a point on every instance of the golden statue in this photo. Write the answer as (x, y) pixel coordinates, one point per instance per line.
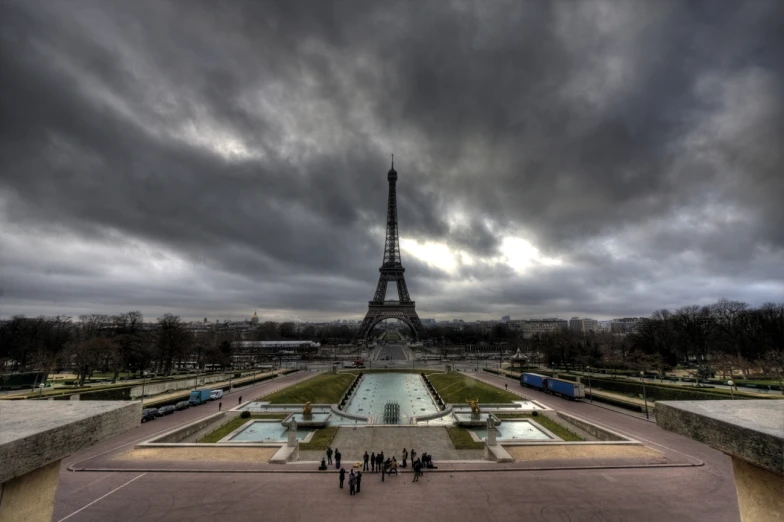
(474, 406)
(307, 411)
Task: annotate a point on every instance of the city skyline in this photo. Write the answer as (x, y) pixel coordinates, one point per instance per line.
(603, 160)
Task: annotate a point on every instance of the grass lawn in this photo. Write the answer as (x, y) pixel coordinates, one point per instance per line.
(462, 439)
(321, 440)
(327, 388)
(545, 422)
(235, 423)
(455, 388)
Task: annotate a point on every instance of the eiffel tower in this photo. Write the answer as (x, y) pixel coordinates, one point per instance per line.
(392, 271)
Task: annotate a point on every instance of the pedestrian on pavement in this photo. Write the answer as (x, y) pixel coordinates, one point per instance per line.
(342, 477)
(359, 480)
(383, 471)
(379, 461)
(220, 405)
(417, 470)
(240, 401)
(365, 458)
(352, 482)
(337, 458)
(329, 456)
(506, 387)
(373, 461)
(405, 456)
(413, 456)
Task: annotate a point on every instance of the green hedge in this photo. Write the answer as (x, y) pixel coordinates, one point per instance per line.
(658, 392)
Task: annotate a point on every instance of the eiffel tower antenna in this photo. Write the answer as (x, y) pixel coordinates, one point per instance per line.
(392, 271)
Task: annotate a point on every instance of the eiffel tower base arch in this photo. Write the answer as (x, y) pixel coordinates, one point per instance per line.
(378, 312)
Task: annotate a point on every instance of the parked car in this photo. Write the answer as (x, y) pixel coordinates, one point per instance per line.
(216, 394)
(149, 414)
(165, 410)
(182, 405)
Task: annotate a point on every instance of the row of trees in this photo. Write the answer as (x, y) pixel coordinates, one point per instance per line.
(724, 338)
(104, 343)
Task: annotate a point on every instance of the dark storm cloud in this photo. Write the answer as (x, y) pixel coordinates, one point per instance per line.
(213, 158)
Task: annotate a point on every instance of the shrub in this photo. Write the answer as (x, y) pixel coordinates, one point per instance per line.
(245, 414)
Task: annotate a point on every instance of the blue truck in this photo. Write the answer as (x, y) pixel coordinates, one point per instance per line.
(199, 396)
(566, 389)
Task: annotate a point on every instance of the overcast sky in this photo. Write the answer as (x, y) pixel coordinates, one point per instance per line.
(600, 159)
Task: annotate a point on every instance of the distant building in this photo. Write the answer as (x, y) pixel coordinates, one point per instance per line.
(254, 319)
(429, 322)
(505, 319)
(532, 327)
(625, 325)
(584, 325)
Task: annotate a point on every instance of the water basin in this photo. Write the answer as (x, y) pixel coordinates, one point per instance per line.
(515, 430)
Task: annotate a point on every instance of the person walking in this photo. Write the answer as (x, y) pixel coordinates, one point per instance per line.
(359, 480)
(506, 387)
(240, 401)
(220, 405)
(337, 458)
(379, 460)
(413, 456)
(342, 477)
(417, 470)
(373, 461)
(405, 456)
(365, 458)
(352, 482)
(329, 456)
(383, 471)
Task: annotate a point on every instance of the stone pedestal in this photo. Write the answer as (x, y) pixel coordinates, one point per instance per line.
(37, 435)
(749, 431)
(491, 437)
(292, 434)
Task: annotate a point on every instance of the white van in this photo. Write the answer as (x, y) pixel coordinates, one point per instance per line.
(216, 394)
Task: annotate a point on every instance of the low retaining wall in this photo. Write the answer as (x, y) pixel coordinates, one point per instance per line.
(186, 431)
(162, 387)
(596, 431)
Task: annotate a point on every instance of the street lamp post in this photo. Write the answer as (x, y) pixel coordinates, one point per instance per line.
(40, 390)
(590, 393)
(731, 385)
(144, 380)
(644, 396)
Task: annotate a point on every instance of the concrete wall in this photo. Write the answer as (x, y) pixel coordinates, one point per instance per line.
(186, 431)
(760, 493)
(30, 498)
(92, 421)
(596, 431)
(161, 387)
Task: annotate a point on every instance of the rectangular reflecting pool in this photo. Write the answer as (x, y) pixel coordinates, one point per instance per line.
(515, 430)
(376, 389)
(264, 431)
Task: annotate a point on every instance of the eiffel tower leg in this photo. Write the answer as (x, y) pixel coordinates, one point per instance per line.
(402, 290)
(367, 324)
(418, 326)
(381, 290)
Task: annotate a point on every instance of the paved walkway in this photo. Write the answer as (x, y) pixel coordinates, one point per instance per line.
(535, 491)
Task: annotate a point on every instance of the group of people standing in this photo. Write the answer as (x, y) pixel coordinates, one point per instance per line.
(375, 463)
(354, 481)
